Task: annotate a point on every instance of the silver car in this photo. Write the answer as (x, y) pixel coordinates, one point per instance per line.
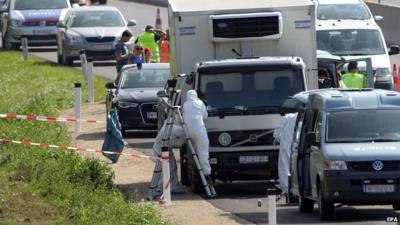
(93, 29)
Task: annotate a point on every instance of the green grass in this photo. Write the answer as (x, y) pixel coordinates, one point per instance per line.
(43, 186)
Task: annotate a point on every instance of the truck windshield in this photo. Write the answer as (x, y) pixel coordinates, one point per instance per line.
(39, 4)
(363, 126)
(343, 12)
(350, 42)
(250, 91)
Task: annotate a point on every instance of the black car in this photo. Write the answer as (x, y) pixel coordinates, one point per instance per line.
(134, 94)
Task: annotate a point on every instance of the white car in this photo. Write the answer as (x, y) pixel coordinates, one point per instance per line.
(344, 10)
(354, 39)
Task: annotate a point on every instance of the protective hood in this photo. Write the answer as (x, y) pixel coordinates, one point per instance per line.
(191, 95)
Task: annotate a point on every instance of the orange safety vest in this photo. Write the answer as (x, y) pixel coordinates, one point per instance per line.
(164, 57)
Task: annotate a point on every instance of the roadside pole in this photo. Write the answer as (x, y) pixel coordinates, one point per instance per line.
(82, 56)
(24, 44)
(90, 85)
(271, 206)
(78, 99)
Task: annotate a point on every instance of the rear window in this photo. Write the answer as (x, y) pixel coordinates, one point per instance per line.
(39, 4)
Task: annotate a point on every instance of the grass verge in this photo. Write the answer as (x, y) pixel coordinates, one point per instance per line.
(43, 186)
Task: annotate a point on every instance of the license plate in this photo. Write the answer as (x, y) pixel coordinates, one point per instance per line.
(102, 47)
(152, 115)
(252, 159)
(378, 188)
(42, 32)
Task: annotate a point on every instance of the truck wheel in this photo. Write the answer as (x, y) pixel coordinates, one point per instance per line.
(396, 206)
(184, 166)
(326, 209)
(195, 183)
(305, 205)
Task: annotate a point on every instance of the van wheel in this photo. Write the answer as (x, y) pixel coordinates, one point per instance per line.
(326, 209)
(396, 206)
(305, 205)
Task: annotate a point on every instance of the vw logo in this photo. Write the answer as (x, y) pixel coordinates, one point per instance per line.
(225, 139)
(377, 165)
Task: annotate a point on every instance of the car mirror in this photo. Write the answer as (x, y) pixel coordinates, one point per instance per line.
(394, 50)
(378, 18)
(162, 94)
(132, 23)
(60, 25)
(110, 85)
(311, 138)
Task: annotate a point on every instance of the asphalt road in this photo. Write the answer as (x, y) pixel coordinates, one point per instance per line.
(385, 2)
(239, 198)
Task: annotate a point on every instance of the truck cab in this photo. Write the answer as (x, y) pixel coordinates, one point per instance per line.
(346, 149)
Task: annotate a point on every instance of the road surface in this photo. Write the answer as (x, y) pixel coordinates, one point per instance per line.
(239, 198)
(385, 2)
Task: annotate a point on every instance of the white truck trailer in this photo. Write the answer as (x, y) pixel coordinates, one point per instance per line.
(246, 58)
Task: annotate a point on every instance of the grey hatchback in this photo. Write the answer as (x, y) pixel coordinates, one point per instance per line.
(93, 29)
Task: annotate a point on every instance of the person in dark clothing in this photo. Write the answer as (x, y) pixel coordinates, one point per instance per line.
(121, 51)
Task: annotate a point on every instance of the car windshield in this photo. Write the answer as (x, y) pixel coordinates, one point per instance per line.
(350, 42)
(96, 19)
(250, 90)
(363, 126)
(145, 78)
(343, 12)
(39, 4)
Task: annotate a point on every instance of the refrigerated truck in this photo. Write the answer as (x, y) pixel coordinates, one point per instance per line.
(244, 59)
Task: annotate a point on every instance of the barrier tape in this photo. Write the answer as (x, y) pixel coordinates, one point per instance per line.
(11, 116)
(77, 149)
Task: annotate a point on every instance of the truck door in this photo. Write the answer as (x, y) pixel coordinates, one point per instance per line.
(295, 167)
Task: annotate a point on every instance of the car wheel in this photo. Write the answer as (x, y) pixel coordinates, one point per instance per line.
(66, 61)
(396, 206)
(326, 209)
(8, 45)
(184, 166)
(305, 205)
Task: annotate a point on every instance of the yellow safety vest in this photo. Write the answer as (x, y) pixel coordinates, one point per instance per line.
(147, 40)
(353, 80)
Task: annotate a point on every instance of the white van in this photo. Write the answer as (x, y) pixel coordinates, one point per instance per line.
(344, 10)
(354, 38)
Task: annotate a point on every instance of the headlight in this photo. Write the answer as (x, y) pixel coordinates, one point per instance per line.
(335, 165)
(383, 75)
(75, 39)
(126, 105)
(16, 23)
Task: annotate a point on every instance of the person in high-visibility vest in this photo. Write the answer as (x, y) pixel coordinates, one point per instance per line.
(164, 46)
(149, 39)
(353, 79)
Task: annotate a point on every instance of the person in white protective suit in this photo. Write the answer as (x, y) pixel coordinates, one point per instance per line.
(177, 140)
(283, 134)
(194, 113)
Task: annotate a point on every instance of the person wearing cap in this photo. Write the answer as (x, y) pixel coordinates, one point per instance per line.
(121, 50)
(353, 79)
(149, 39)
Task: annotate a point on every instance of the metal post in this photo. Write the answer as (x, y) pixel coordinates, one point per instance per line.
(166, 176)
(24, 43)
(271, 206)
(82, 56)
(90, 85)
(78, 99)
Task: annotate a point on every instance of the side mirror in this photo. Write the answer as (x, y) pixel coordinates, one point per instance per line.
(378, 18)
(394, 50)
(110, 85)
(311, 138)
(190, 79)
(162, 94)
(60, 25)
(132, 23)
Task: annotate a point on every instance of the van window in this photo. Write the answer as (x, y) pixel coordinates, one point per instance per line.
(351, 42)
(363, 126)
(343, 11)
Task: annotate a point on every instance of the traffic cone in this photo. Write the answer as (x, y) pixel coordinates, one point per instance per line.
(158, 20)
(395, 74)
(397, 83)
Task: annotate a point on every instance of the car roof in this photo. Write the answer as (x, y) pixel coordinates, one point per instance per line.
(148, 66)
(337, 2)
(349, 99)
(345, 25)
(94, 8)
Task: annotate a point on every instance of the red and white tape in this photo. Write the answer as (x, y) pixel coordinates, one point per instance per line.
(64, 148)
(11, 116)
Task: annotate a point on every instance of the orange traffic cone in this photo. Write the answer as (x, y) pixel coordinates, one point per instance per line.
(397, 78)
(158, 20)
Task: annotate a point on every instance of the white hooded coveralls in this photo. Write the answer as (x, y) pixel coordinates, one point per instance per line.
(284, 135)
(194, 113)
